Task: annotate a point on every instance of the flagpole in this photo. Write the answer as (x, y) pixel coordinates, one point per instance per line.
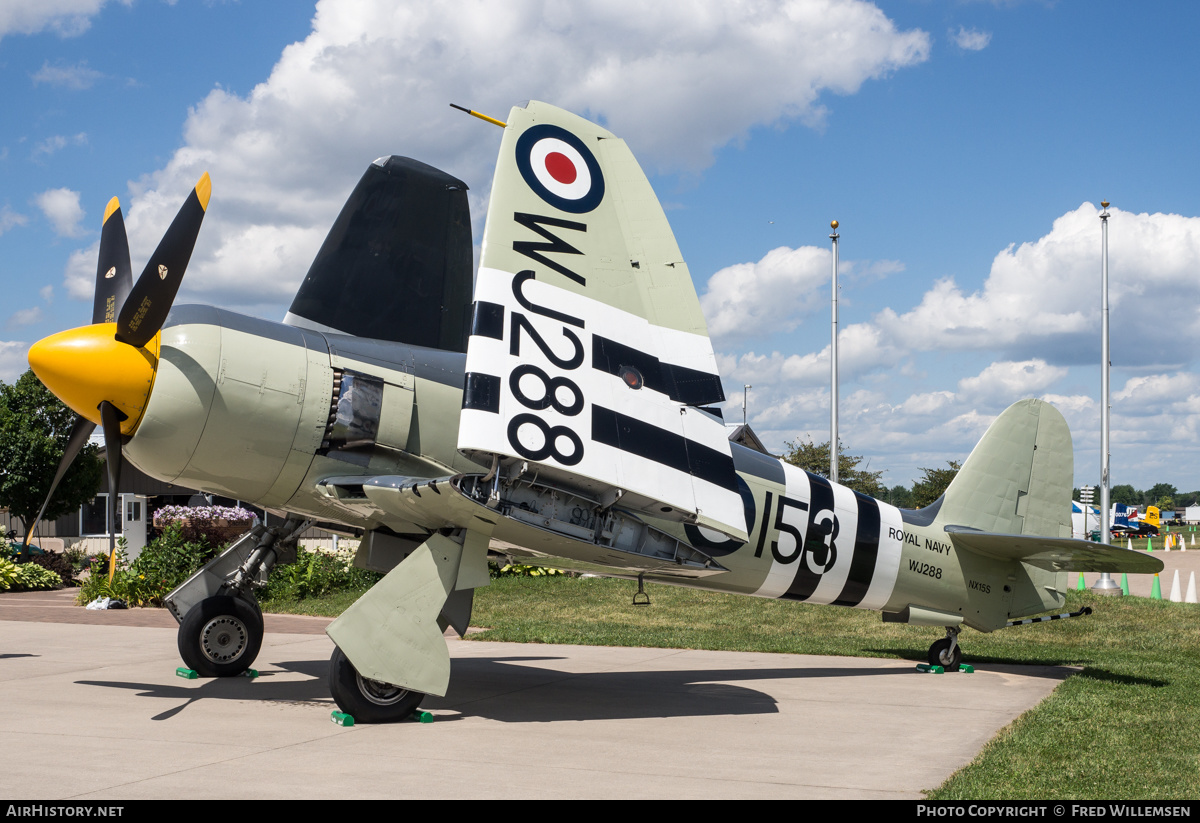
(833, 369)
(1105, 585)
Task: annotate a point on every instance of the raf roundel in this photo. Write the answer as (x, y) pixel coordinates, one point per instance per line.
(560, 169)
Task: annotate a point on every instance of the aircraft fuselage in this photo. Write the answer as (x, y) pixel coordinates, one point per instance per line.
(289, 418)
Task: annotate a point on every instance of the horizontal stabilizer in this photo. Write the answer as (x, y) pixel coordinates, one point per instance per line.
(1056, 554)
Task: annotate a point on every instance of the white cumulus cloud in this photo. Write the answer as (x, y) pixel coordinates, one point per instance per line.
(24, 317)
(1041, 298)
(772, 295)
(677, 81)
(76, 78)
(51, 144)
(12, 359)
(1002, 381)
(971, 39)
(10, 219)
(62, 209)
(66, 17)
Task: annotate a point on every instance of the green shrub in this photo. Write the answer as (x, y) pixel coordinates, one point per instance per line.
(77, 557)
(57, 563)
(315, 574)
(96, 583)
(165, 562)
(520, 570)
(22, 577)
(8, 574)
(32, 577)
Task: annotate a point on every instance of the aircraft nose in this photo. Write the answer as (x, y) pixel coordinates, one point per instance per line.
(88, 365)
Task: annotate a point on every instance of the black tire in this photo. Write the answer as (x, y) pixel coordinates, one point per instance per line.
(221, 636)
(368, 701)
(940, 655)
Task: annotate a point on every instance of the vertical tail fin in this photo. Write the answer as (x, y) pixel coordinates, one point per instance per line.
(1018, 479)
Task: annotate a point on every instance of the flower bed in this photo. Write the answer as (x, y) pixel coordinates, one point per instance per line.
(215, 524)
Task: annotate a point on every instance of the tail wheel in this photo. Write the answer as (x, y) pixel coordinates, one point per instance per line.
(368, 701)
(941, 654)
(221, 636)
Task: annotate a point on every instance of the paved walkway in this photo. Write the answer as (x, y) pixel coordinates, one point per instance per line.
(91, 702)
(1183, 563)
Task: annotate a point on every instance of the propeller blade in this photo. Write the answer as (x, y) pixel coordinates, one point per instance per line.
(112, 417)
(114, 275)
(146, 307)
(80, 433)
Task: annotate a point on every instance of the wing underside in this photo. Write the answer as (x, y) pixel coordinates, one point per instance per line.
(536, 521)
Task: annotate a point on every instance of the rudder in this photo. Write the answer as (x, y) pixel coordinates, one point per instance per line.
(1018, 478)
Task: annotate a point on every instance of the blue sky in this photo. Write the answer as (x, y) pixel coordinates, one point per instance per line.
(963, 146)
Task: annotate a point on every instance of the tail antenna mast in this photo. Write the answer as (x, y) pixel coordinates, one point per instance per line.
(473, 113)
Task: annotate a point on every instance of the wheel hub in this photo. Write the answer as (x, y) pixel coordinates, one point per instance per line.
(223, 639)
(378, 692)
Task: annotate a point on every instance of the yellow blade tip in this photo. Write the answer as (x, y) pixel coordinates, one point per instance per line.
(204, 190)
(113, 205)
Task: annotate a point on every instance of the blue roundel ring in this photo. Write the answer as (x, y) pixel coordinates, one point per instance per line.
(581, 201)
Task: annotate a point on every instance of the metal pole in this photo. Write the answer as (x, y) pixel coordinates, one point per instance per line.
(1105, 585)
(745, 391)
(833, 369)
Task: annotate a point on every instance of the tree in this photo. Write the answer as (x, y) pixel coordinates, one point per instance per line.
(1162, 495)
(1125, 494)
(814, 458)
(934, 484)
(34, 429)
(899, 496)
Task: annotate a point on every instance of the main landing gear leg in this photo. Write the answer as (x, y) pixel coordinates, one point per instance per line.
(220, 623)
(946, 652)
(390, 649)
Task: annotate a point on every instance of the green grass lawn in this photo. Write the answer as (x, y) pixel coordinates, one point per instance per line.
(1127, 726)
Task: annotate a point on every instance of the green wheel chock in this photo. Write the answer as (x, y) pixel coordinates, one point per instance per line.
(966, 667)
(422, 717)
(250, 673)
(927, 669)
(341, 718)
(185, 672)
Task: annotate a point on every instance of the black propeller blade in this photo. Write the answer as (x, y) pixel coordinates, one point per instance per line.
(112, 417)
(114, 274)
(80, 433)
(148, 303)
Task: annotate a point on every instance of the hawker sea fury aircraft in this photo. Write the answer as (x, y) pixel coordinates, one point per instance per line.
(562, 414)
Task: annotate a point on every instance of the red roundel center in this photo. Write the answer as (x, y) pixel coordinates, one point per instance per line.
(561, 168)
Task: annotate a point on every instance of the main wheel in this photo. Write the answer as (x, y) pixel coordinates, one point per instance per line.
(221, 636)
(366, 700)
(940, 655)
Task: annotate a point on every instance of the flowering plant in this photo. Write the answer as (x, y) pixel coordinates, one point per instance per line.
(234, 514)
(214, 524)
